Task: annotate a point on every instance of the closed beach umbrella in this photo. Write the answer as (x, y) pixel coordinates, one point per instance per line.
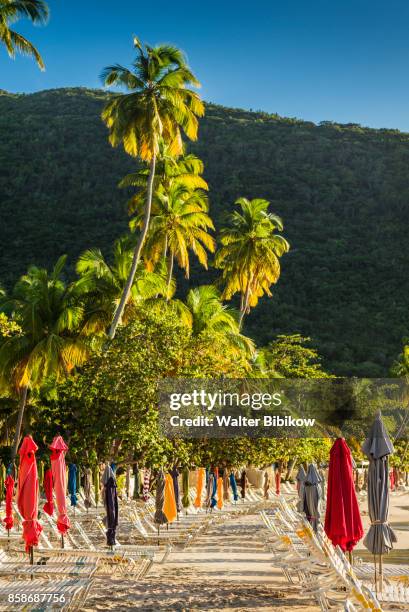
(58, 449)
(137, 483)
(48, 490)
(225, 485)
(40, 469)
(111, 504)
(169, 506)
(96, 483)
(146, 483)
(377, 447)
(8, 520)
(2, 482)
(175, 477)
(185, 485)
(209, 490)
(301, 475)
(312, 496)
(243, 484)
(220, 492)
(27, 498)
(72, 483)
(160, 517)
(266, 485)
(278, 482)
(199, 487)
(87, 487)
(343, 524)
(233, 485)
(213, 487)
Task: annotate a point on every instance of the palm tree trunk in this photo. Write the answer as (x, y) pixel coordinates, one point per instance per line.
(244, 304)
(137, 253)
(169, 279)
(21, 407)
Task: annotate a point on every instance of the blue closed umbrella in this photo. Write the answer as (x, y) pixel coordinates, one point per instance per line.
(72, 483)
(233, 485)
(213, 500)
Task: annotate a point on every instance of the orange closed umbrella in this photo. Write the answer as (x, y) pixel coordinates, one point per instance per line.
(169, 505)
(27, 499)
(199, 488)
(220, 492)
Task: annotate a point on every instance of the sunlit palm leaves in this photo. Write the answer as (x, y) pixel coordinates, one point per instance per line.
(102, 284)
(10, 12)
(250, 252)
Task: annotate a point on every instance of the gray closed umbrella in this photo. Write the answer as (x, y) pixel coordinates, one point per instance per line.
(160, 517)
(313, 496)
(87, 487)
(300, 487)
(377, 447)
(111, 504)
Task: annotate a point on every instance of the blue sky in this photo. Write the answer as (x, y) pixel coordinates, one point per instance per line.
(341, 60)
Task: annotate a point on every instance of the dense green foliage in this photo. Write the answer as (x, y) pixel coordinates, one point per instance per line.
(342, 192)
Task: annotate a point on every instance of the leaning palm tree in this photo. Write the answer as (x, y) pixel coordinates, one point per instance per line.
(10, 12)
(205, 313)
(101, 284)
(179, 224)
(250, 252)
(49, 315)
(159, 105)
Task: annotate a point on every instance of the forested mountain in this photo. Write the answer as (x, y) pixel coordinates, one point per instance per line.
(342, 191)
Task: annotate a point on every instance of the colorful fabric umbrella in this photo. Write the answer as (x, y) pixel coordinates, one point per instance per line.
(27, 498)
(58, 449)
(343, 524)
(213, 490)
(377, 447)
(312, 496)
(278, 482)
(233, 485)
(199, 488)
(225, 485)
(146, 484)
(87, 487)
(48, 490)
(169, 505)
(8, 520)
(111, 504)
(220, 492)
(72, 483)
(175, 477)
(185, 485)
(301, 476)
(40, 469)
(160, 517)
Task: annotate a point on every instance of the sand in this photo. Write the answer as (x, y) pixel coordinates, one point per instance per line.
(225, 569)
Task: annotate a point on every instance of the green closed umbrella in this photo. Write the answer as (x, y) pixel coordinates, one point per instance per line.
(95, 478)
(185, 485)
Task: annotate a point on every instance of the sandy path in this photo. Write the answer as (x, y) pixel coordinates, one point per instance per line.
(227, 568)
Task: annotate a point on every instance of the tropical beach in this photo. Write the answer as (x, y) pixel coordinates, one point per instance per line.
(204, 323)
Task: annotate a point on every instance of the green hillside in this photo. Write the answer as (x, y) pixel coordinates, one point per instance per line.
(343, 193)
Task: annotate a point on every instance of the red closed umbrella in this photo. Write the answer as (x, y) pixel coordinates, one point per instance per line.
(48, 490)
(27, 498)
(343, 524)
(58, 449)
(9, 484)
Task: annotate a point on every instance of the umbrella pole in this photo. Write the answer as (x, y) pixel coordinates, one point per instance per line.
(380, 574)
(376, 577)
(350, 557)
(62, 540)
(31, 554)
(158, 533)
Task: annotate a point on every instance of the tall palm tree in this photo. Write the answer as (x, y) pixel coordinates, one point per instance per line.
(102, 284)
(204, 312)
(157, 108)
(179, 224)
(250, 252)
(10, 12)
(49, 314)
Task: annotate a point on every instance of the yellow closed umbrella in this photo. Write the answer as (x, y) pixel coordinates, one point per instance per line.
(169, 505)
(220, 492)
(199, 488)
